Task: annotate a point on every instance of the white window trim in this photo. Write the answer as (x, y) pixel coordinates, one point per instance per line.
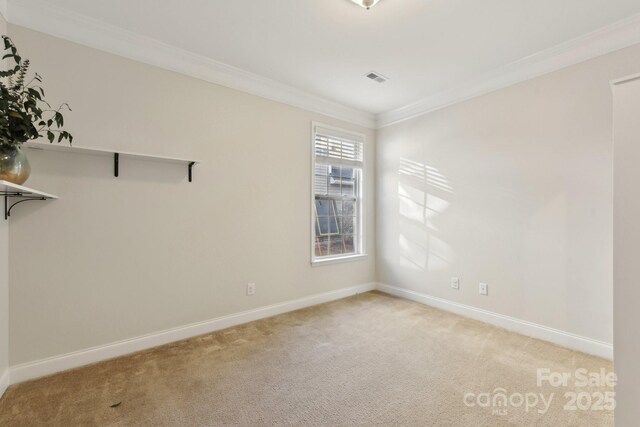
(362, 220)
(337, 260)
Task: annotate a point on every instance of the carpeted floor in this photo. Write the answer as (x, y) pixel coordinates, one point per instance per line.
(370, 359)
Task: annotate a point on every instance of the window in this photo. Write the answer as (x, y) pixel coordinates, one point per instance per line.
(338, 159)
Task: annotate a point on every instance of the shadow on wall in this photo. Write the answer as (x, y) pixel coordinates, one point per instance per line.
(422, 193)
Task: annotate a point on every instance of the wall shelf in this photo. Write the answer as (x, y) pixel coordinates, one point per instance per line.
(10, 191)
(116, 155)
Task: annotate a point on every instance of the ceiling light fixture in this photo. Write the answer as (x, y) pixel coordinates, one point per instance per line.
(367, 4)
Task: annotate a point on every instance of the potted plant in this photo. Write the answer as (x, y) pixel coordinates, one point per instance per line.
(25, 115)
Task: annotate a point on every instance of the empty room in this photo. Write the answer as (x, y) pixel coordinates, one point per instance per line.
(319, 213)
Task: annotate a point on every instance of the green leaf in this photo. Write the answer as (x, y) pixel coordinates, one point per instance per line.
(22, 104)
(33, 92)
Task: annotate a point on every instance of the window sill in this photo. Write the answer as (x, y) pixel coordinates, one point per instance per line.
(337, 260)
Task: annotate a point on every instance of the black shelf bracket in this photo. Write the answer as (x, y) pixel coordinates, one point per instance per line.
(116, 167)
(8, 206)
(191, 170)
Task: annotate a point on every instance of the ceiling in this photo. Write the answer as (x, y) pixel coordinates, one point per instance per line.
(325, 47)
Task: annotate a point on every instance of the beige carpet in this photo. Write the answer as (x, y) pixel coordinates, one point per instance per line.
(367, 360)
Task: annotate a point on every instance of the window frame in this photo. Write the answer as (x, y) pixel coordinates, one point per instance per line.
(360, 242)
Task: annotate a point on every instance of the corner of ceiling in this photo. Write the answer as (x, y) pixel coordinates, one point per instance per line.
(605, 40)
(50, 19)
(47, 18)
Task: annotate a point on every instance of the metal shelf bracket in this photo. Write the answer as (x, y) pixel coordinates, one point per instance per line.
(116, 167)
(191, 170)
(8, 206)
(10, 191)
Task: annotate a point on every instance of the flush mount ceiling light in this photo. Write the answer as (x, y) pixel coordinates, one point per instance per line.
(367, 4)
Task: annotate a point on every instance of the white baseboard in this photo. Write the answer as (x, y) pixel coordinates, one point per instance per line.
(31, 370)
(4, 382)
(39, 368)
(562, 338)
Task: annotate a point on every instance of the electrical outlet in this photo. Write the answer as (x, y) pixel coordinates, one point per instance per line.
(455, 283)
(484, 289)
(251, 289)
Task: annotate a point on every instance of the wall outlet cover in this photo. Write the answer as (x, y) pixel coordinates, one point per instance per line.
(251, 289)
(484, 289)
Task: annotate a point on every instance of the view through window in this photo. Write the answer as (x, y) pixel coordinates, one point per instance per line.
(338, 162)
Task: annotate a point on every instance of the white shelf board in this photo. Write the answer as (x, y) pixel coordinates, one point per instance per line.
(8, 188)
(101, 151)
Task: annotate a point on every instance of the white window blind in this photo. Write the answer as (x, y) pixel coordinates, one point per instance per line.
(335, 149)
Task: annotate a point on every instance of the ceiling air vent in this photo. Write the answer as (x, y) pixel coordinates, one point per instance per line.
(376, 77)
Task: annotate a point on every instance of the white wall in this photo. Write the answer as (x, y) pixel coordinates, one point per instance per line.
(514, 189)
(4, 298)
(116, 258)
(625, 250)
(4, 280)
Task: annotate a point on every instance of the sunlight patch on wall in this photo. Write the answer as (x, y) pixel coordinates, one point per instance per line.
(416, 205)
(424, 173)
(419, 209)
(411, 204)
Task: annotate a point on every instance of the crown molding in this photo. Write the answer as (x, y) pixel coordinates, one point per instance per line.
(50, 19)
(624, 80)
(602, 41)
(47, 18)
